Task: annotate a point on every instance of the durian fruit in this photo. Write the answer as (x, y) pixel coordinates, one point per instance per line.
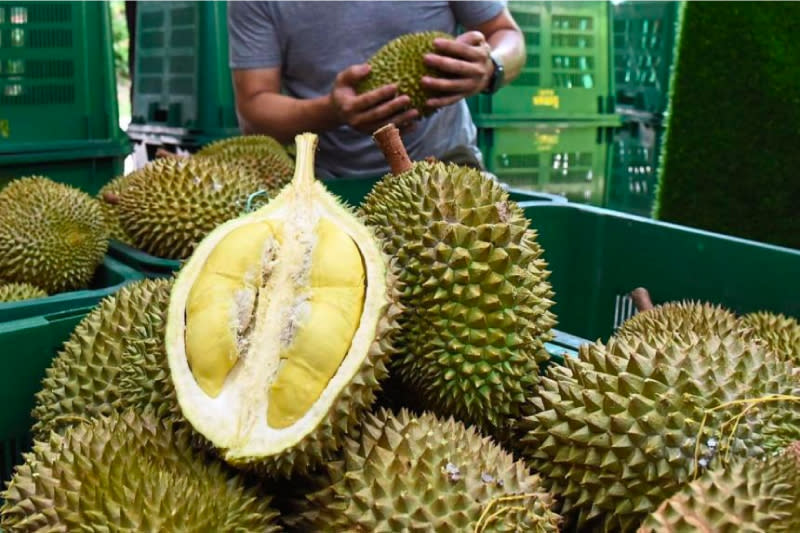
(626, 424)
(52, 235)
(245, 144)
(129, 472)
(421, 473)
(475, 288)
(780, 332)
(114, 188)
(400, 61)
(686, 317)
(279, 328)
(114, 360)
(751, 495)
(275, 170)
(170, 204)
(16, 292)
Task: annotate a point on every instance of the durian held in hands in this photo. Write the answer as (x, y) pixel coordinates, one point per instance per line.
(279, 327)
(401, 61)
(52, 235)
(474, 285)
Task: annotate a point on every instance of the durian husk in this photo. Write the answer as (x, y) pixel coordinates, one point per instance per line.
(400, 61)
(475, 287)
(52, 235)
(780, 332)
(750, 495)
(245, 144)
(129, 472)
(626, 424)
(422, 473)
(336, 414)
(114, 360)
(682, 318)
(274, 170)
(17, 292)
(114, 188)
(171, 204)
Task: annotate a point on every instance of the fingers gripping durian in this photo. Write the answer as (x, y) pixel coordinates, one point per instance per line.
(279, 326)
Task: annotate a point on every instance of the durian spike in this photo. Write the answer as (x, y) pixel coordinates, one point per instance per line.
(388, 140)
(641, 299)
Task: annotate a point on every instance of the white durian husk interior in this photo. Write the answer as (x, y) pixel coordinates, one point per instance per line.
(235, 421)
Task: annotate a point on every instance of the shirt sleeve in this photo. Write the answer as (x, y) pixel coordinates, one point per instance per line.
(470, 14)
(253, 40)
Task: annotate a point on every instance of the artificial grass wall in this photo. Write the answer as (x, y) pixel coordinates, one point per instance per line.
(731, 158)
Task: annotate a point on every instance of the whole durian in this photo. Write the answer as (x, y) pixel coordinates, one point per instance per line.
(409, 473)
(52, 235)
(129, 472)
(245, 144)
(274, 170)
(114, 360)
(400, 61)
(618, 429)
(16, 292)
(280, 326)
(780, 332)
(170, 204)
(687, 317)
(751, 495)
(475, 289)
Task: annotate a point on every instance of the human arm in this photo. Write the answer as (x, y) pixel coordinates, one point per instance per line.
(263, 109)
(467, 59)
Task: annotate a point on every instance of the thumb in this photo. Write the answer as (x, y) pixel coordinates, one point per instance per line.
(353, 74)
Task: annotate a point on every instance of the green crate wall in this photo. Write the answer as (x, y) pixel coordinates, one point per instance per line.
(568, 68)
(644, 42)
(569, 159)
(635, 155)
(57, 79)
(182, 82)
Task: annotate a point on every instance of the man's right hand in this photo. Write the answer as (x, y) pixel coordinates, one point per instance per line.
(369, 111)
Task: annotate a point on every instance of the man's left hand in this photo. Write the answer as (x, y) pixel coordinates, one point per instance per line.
(467, 64)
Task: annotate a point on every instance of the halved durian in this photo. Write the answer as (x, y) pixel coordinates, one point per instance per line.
(279, 327)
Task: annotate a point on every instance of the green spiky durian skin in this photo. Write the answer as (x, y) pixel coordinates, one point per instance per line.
(115, 187)
(246, 144)
(409, 473)
(780, 332)
(614, 432)
(475, 288)
(52, 235)
(400, 61)
(113, 360)
(274, 170)
(129, 472)
(17, 292)
(170, 204)
(751, 495)
(687, 317)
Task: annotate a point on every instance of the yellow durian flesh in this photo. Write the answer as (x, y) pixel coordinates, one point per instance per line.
(272, 316)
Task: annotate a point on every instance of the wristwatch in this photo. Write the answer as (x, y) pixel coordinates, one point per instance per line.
(498, 76)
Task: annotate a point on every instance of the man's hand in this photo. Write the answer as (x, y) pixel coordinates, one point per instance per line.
(369, 111)
(467, 64)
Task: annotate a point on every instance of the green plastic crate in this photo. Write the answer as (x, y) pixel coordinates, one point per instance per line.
(88, 168)
(182, 81)
(57, 79)
(644, 42)
(352, 190)
(568, 159)
(567, 73)
(597, 256)
(634, 168)
(109, 277)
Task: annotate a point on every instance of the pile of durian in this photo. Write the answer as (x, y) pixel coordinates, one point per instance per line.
(318, 367)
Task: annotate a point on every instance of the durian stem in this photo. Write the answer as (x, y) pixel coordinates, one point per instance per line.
(641, 299)
(162, 152)
(388, 140)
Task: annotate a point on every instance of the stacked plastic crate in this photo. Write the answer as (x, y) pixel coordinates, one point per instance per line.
(550, 129)
(644, 41)
(58, 103)
(183, 93)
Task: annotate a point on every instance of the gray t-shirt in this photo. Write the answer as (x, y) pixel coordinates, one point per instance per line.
(313, 41)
